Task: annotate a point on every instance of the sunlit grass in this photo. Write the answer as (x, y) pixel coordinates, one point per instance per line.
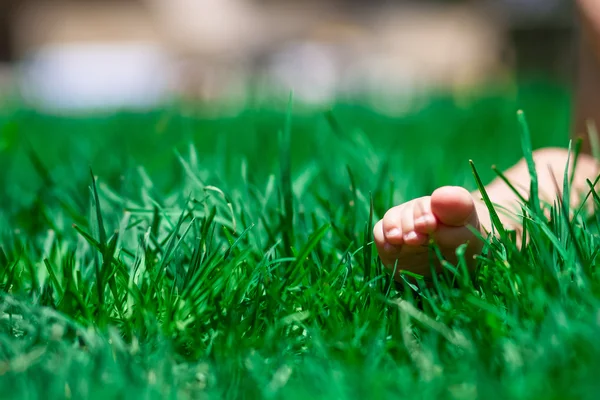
(159, 255)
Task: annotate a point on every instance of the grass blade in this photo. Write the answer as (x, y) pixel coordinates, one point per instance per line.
(287, 214)
(496, 222)
(534, 198)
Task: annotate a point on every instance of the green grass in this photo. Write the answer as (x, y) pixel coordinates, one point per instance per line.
(232, 258)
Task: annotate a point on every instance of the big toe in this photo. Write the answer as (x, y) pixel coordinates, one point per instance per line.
(453, 206)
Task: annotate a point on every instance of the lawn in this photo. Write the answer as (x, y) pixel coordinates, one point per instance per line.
(173, 255)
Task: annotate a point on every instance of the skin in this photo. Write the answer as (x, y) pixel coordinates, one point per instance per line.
(451, 213)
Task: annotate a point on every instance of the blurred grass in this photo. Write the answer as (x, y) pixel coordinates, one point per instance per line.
(210, 257)
(434, 143)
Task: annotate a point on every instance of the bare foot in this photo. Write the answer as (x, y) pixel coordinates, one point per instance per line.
(446, 216)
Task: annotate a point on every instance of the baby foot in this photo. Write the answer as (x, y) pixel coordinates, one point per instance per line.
(404, 233)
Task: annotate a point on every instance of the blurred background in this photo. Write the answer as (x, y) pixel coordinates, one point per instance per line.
(99, 54)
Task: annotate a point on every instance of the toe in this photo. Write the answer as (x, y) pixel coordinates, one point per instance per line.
(400, 226)
(424, 220)
(410, 236)
(387, 252)
(406, 219)
(392, 225)
(415, 238)
(378, 235)
(453, 206)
